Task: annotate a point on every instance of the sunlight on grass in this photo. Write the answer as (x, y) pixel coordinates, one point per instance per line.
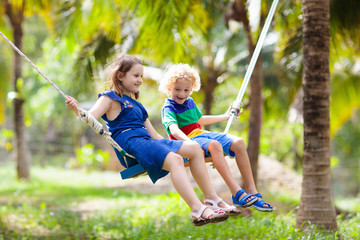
(70, 204)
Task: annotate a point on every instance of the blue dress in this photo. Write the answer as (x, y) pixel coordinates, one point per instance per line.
(128, 130)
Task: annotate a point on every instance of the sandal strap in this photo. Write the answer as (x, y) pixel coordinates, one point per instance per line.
(257, 195)
(199, 213)
(214, 203)
(238, 194)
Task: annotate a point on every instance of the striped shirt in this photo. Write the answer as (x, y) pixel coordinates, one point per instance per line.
(185, 115)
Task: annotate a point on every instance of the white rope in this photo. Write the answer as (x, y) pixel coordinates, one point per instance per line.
(252, 63)
(84, 115)
(32, 64)
(88, 119)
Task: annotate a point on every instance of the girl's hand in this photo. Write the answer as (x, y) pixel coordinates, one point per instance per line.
(72, 103)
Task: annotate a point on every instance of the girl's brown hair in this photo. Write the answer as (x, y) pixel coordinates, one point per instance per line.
(118, 69)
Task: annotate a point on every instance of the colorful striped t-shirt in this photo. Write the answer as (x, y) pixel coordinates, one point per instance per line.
(185, 115)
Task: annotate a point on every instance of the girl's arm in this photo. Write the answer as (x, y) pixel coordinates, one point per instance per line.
(102, 105)
(177, 133)
(151, 130)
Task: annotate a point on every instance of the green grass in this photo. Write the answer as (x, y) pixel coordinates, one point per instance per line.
(72, 204)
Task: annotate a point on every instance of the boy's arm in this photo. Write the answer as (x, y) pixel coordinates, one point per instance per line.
(151, 130)
(177, 133)
(211, 119)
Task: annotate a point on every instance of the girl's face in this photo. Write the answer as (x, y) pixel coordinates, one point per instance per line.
(181, 90)
(133, 79)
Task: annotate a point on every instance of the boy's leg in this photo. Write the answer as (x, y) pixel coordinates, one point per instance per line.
(219, 161)
(243, 163)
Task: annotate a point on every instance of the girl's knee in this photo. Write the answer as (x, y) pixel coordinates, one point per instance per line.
(195, 147)
(173, 160)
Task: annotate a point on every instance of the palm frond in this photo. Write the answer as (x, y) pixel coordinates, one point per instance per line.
(345, 98)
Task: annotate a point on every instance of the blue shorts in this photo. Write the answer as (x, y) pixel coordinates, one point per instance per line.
(224, 139)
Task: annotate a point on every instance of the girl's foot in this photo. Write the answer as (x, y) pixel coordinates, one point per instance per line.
(221, 204)
(206, 215)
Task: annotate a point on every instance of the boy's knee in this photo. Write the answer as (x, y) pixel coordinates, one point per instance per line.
(239, 144)
(215, 146)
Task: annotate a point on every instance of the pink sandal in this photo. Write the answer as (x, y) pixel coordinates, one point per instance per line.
(232, 211)
(217, 216)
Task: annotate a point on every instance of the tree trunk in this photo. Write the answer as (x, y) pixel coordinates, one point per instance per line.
(209, 88)
(21, 153)
(256, 104)
(316, 204)
(239, 12)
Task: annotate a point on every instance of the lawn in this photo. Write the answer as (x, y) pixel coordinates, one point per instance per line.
(72, 204)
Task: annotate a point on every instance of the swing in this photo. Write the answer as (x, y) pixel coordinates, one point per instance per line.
(133, 168)
(137, 169)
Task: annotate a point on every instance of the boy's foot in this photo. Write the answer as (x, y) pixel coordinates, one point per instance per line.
(243, 199)
(261, 205)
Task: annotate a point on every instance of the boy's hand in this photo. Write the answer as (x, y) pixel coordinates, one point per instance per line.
(238, 112)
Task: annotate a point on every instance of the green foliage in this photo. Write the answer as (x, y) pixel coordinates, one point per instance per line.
(88, 158)
(6, 137)
(69, 204)
(344, 146)
(344, 21)
(5, 78)
(176, 23)
(283, 141)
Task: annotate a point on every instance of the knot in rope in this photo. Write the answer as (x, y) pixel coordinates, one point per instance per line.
(87, 118)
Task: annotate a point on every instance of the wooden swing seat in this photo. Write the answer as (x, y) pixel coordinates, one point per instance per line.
(137, 170)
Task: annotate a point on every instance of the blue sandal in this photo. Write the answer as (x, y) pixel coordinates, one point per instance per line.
(259, 205)
(243, 201)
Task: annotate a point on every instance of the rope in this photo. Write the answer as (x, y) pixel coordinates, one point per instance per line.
(85, 116)
(252, 63)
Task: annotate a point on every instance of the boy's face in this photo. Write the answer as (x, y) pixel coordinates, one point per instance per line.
(181, 90)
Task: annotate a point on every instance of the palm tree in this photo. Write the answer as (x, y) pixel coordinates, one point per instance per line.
(316, 204)
(16, 17)
(344, 34)
(15, 11)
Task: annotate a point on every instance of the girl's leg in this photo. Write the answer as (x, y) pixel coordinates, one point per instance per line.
(193, 151)
(175, 165)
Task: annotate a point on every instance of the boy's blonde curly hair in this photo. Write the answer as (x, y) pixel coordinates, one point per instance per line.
(176, 72)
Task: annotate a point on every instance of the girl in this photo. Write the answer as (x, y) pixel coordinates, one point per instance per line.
(130, 127)
(182, 120)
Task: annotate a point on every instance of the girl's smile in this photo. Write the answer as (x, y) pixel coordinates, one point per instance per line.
(133, 79)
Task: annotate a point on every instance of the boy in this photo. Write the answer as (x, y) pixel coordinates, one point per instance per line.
(182, 121)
